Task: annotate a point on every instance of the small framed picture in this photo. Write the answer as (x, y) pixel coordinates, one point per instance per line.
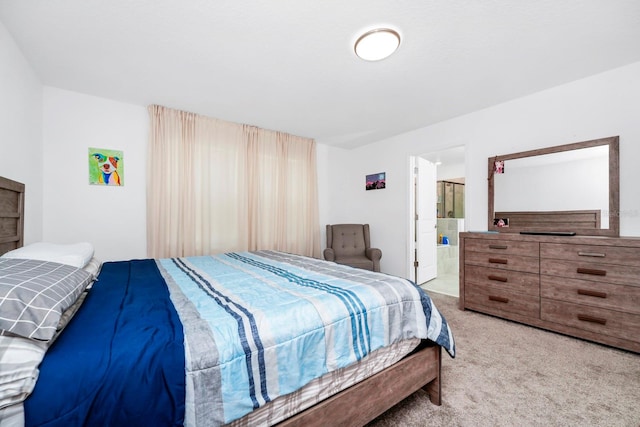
(376, 181)
(501, 222)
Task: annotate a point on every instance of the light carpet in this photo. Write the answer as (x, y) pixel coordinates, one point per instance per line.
(508, 374)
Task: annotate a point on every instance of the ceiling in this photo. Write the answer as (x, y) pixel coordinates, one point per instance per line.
(289, 65)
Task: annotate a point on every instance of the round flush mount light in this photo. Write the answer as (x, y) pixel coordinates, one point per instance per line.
(377, 44)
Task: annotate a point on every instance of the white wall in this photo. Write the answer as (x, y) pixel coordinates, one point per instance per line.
(384, 210)
(111, 218)
(21, 130)
(450, 171)
(603, 105)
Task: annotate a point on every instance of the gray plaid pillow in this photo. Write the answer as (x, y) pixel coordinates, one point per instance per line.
(34, 294)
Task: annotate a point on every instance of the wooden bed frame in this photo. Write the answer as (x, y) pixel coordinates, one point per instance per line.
(356, 405)
(576, 220)
(363, 402)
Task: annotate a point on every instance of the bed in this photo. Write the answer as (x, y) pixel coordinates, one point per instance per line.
(242, 338)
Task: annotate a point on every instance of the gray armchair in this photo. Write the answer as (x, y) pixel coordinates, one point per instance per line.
(350, 244)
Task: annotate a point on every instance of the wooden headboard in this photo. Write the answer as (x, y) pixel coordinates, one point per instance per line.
(11, 215)
(576, 221)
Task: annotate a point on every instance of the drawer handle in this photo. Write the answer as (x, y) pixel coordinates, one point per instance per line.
(591, 293)
(497, 260)
(592, 271)
(498, 299)
(497, 278)
(592, 319)
(497, 246)
(592, 254)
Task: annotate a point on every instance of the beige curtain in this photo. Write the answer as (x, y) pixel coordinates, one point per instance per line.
(216, 186)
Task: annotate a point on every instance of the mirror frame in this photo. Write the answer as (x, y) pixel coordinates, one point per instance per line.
(614, 183)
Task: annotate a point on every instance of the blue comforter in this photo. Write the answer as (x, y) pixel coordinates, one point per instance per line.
(120, 361)
(226, 334)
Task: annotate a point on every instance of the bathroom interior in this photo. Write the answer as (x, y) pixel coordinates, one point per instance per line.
(450, 221)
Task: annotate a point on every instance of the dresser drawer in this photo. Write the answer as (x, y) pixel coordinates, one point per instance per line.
(527, 283)
(503, 261)
(618, 255)
(596, 294)
(597, 272)
(497, 300)
(498, 247)
(599, 320)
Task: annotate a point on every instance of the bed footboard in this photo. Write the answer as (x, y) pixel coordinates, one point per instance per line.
(368, 399)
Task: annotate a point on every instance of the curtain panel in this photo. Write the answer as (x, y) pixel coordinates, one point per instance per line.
(217, 186)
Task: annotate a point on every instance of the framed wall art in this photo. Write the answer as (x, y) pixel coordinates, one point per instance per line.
(376, 181)
(106, 167)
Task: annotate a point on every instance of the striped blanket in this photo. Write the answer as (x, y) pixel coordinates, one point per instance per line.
(258, 325)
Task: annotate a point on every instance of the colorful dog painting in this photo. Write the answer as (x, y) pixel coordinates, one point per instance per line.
(105, 167)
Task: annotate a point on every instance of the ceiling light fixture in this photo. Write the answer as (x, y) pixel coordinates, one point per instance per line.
(377, 44)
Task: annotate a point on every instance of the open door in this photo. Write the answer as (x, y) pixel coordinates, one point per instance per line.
(426, 221)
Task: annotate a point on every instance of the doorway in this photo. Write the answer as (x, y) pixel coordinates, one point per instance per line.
(447, 190)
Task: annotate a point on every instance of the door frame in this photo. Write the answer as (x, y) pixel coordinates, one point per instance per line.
(411, 232)
(411, 229)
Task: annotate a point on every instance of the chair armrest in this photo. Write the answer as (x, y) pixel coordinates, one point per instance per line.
(374, 254)
(329, 254)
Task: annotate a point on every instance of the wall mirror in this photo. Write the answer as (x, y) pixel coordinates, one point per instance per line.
(572, 188)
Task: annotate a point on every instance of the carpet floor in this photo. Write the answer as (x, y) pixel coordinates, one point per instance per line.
(508, 374)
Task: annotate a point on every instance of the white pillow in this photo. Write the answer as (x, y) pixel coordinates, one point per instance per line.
(75, 254)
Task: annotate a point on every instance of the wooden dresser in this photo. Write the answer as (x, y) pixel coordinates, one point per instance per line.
(587, 287)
